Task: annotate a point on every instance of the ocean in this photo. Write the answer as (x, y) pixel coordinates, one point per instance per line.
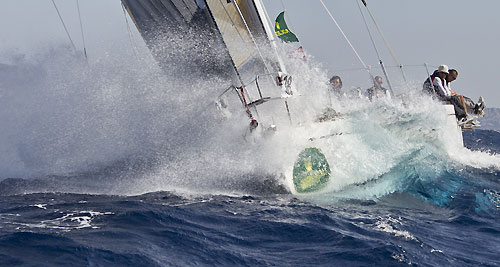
(89, 177)
(452, 221)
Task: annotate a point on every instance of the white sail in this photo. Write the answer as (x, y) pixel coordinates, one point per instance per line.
(237, 23)
(233, 30)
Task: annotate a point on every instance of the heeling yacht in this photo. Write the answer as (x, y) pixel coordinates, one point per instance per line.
(234, 39)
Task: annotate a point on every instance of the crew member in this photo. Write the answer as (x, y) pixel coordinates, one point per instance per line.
(377, 90)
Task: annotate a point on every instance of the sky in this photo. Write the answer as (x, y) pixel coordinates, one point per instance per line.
(463, 34)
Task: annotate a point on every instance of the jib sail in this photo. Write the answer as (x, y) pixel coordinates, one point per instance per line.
(205, 22)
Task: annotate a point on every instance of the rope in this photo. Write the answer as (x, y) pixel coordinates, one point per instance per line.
(353, 69)
(260, 54)
(345, 37)
(81, 28)
(375, 47)
(287, 17)
(430, 79)
(64, 25)
(273, 40)
(387, 44)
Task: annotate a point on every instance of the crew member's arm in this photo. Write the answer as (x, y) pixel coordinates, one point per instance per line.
(438, 86)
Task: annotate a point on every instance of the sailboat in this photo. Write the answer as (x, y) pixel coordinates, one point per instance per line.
(234, 39)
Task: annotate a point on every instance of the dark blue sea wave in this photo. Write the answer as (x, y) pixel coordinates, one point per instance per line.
(450, 220)
(484, 140)
(162, 228)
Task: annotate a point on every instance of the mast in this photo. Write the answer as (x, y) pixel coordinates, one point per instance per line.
(376, 51)
(64, 25)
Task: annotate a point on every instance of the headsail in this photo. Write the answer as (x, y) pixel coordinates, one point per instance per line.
(182, 37)
(235, 22)
(233, 30)
(228, 38)
(243, 31)
(151, 16)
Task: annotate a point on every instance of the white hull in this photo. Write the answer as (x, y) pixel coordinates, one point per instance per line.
(452, 124)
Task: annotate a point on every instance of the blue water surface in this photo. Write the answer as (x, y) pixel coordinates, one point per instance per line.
(450, 222)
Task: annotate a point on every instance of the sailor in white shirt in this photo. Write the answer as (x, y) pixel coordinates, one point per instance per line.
(440, 84)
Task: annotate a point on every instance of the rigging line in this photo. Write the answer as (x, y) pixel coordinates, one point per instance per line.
(250, 100)
(283, 5)
(260, 6)
(64, 25)
(260, 53)
(271, 38)
(376, 50)
(286, 13)
(430, 79)
(387, 44)
(345, 37)
(353, 69)
(271, 33)
(251, 36)
(129, 31)
(81, 28)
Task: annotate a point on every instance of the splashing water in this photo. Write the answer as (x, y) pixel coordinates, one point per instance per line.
(120, 125)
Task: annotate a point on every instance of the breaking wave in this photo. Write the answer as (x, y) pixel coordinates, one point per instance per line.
(119, 125)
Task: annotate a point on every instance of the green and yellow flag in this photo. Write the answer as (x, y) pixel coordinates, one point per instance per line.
(282, 30)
